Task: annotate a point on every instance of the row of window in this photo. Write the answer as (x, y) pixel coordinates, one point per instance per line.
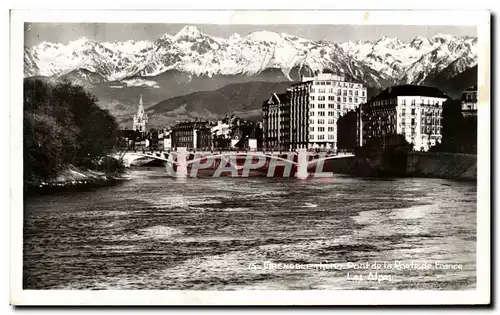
(322, 137)
(339, 99)
(330, 106)
(339, 91)
(322, 121)
(337, 83)
(330, 114)
(322, 129)
(413, 102)
(332, 98)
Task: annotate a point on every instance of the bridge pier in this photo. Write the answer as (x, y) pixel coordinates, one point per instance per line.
(302, 162)
(182, 170)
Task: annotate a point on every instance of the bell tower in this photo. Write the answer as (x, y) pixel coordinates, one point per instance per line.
(140, 118)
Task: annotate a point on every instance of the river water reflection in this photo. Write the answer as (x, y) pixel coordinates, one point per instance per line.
(155, 232)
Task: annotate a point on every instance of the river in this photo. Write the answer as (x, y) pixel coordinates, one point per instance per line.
(156, 232)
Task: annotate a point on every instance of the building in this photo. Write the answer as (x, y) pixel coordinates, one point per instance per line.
(192, 135)
(410, 110)
(140, 118)
(306, 116)
(469, 101)
(348, 131)
(165, 139)
(275, 119)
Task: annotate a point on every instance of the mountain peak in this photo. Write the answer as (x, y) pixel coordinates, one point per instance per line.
(442, 37)
(264, 36)
(235, 37)
(81, 41)
(189, 31)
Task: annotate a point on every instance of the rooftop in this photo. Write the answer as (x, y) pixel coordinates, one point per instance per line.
(409, 90)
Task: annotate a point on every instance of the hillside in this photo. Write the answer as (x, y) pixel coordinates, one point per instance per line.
(242, 99)
(455, 85)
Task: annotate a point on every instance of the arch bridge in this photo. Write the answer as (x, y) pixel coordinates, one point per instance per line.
(177, 162)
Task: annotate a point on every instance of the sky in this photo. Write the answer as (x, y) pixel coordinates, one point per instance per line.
(36, 33)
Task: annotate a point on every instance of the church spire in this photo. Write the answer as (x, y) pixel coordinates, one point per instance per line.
(141, 118)
(140, 110)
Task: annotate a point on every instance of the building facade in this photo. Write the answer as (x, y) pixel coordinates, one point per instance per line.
(273, 115)
(192, 135)
(140, 119)
(348, 131)
(469, 101)
(409, 110)
(306, 116)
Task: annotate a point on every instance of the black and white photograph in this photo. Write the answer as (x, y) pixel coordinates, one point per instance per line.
(266, 152)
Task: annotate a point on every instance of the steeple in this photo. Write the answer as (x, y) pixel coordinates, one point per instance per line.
(140, 111)
(141, 118)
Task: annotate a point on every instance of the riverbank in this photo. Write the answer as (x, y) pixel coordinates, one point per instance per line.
(455, 166)
(74, 178)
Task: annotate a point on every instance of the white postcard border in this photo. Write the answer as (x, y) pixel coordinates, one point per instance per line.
(481, 295)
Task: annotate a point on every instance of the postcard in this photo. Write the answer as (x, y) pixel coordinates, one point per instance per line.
(250, 157)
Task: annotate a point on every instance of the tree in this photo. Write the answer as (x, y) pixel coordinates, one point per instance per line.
(63, 125)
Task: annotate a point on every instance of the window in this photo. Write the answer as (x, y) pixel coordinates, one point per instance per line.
(312, 105)
(321, 129)
(331, 98)
(331, 129)
(321, 90)
(321, 121)
(331, 113)
(331, 105)
(331, 121)
(362, 93)
(338, 98)
(321, 105)
(312, 97)
(321, 98)
(313, 90)
(311, 121)
(321, 137)
(311, 137)
(356, 93)
(330, 90)
(350, 99)
(355, 100)
(311, 128)
(338, 106)
(350, 92)
(345, 92)
(344, 99)
(321, 113)
(331, 137)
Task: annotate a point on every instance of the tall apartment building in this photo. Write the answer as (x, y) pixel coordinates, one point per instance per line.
(274, 121)
(306, 116)
(409, 110)
(469, 101)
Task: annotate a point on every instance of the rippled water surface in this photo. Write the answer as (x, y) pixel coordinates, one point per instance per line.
(155, 232)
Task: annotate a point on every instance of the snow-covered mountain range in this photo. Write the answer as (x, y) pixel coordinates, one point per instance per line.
(133, 63)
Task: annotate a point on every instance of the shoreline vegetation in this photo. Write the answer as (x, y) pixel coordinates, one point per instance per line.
(67, 138)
